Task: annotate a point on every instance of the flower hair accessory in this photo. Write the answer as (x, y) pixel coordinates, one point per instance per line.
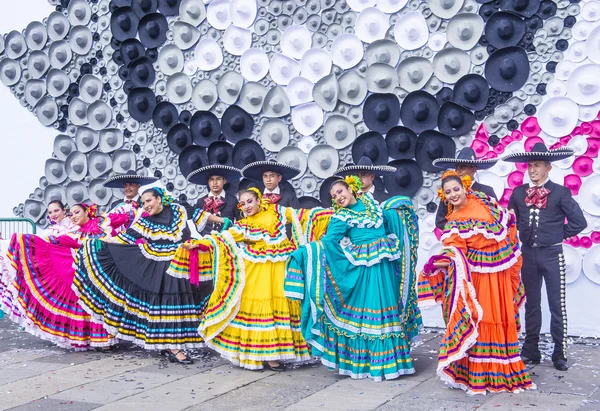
(90, 209)
(256, 191)
(354, 183)
(166, 198)
(466, 182)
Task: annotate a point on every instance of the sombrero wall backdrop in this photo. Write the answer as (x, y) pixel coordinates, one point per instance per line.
(164, 87)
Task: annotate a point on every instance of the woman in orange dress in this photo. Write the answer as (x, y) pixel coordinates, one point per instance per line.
(476, 279)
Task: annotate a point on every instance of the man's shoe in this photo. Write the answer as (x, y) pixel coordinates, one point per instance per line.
(561, 365)
(527, 360)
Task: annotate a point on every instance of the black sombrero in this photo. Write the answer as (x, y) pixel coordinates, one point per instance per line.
(255, 171)
(364, 164)
(407, 179)
(309, 202)
(324, 194)
(203, 174)
(130, 177)
(465, 156)
(539, 152)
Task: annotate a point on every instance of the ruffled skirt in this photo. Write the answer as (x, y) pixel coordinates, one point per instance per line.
(135, 298)
(37, 295)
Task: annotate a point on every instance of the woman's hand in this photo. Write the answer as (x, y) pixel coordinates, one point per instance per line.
(189, 246)
(441, 264)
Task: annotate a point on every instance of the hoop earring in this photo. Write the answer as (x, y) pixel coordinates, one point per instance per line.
(446, 202)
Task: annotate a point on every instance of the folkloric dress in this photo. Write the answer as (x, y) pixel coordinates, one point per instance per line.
(480, 293)
(125, 285)
(357, 286)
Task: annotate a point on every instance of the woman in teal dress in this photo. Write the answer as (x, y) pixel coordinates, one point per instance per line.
(357, 285)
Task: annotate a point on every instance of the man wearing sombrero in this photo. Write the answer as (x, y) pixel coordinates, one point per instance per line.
(217, 202)
(541, 208)
(465, 164)
(367, 172)
(272, 173)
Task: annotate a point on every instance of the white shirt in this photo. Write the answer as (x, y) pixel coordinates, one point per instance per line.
(370, 190)
(276, 191)
(221, 195)
(541, 185)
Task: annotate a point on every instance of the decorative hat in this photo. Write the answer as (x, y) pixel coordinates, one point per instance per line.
(455, 120)
(98, 193)
(371, 25)
(169, 7)
(192, 158)
(582, 85)
(63, 146)
(465, 156)
(464, 30)
(220, 152)
(80, 40)
(36, 35)
(381, 78)
(179, 137)
(54, 192)
(383, 51)
(504, 29)
(60, 54)
(129, 177)
(143, 7)
(246, 152)
(185, 36)
(346, 51)
(54, 170)
(555, 116)
(33, 210)
(34, 91)
(295, 41)
(229, 87)
(325, 92)
(165, 116)
(123, 23)
(99, 163)
(276, 104)
(309, 202)
(78, 112)
(15, 45)
(205, 128)
(573, 263)
(283, 69)
(525, 8)
(243, 13)
(192, 11)
(450, 64)
(58, 25)
(123, 161)
(400, 142)
(406, 180)
(364, 164)
(10, 72)
(170, 59)
(352, 88)
(255, 171)
(299, 91)
(372, 145)
(307, 118)
(254, 64)
(46, 111)
(360, 5)
(57, 81)
(274, 135)
(445, 9)
(414, 73)
(237, 40)
(204, 94)
(141, 103)
(323, 160)
(507, 69)
(236, 124)
(99, 115)
(110, 140)
(252, 97)
(471, 91)
(130, 50)
(218, 14)
(179, 88)
(208, 54)
(76, 166)
(203, 174)
(381, 112)
(77, 192)
(90, 88)
(419, 111)
(293, 157)
(432, 145)
(488, 178)
(324, 191)
(152, 30)
(37, 64)
(391, 6)
(539, 152)
(339, 132)
(316, 63)
(410, 31)
(79, 12)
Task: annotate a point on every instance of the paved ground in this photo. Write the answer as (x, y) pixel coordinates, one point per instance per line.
(34, 375)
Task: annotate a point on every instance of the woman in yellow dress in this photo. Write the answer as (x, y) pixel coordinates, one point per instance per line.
(248, 320)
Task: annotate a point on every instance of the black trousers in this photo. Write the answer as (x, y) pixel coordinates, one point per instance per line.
(544, 264)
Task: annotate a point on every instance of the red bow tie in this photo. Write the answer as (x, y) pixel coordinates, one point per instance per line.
(537, 196)
(274, 198)
(212, 204)
(134, 203)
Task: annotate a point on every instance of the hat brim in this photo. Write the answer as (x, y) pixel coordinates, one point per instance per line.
(256, 170)
(394, 187)
(202, 175)
(550, 155)
(448, 163)
(353, 169)
(118, 181)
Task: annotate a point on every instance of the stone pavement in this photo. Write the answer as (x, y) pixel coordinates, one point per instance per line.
(35, 375)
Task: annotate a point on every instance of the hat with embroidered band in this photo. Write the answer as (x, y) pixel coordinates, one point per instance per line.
(471, 91)
(293, 157)
(254, 64)
(192, 158)
(99, 163)
(110, 140)
(410, 31)
(450, 64)
(381, 78)
(179, 137)
(192, 11)
(504, 29)
(123, 23)
(141, 103)
(36, 35)
(325, 92)
(76, 166)
(307, 118)
(582, 85)
(323, 160)
(295, 41)
(80, 40)
(129, 177)
(203, 174)
(246, 152)
(419, 111)
(315, 64)
(204, 95)
(432, 145)
(252, 97)
(38, 64)
(555, 116)
(464, 30)
(346, 51)
(371, 25)
(54, 170)
(236, 124)
(220, 152)
(237, 40)
(165, 116)
(255, 171)
(352, 88)
(34, 91)
(381, 112)
(539, 152)
(507, 69)
(364, 164)
(57, 82)
(276, 104)
(455, 120)
(383, 51)
(208, 54)
(406, 179)
(123, 161)
(205, 128)
(445, 9)
(400, 142)
(325, 190)
(372, 145)
(229, 87)
(465, 156)
(99, 115)
(283, 69)
(339, 132)
(185, 36)
(274, 135)
(414, 73)
(170, 59)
